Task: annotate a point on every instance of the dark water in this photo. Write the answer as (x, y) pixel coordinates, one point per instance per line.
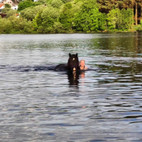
(37, 104)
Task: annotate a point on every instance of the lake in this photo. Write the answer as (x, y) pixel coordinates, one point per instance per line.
(103, 104)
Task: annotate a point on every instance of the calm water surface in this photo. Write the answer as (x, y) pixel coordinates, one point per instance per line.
(43, 105)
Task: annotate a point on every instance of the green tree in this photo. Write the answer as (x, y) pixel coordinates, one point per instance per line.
(54, 16)
(44, 21)
(127, 20)
(89, 18)
(136, 5)
(9, 12)
(65, 1)
(120, 19)
(30, 12)
(13, 24)
(66, 16)
(7, 5)
(114, 19)
(20, 25)
(25, 4)
(57, 27)
(56, 3)
(5, 26)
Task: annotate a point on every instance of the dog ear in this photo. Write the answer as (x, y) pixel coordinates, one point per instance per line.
(69, 54)
(76, 54)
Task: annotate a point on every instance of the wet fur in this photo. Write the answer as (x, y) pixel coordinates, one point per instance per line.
(72, 64)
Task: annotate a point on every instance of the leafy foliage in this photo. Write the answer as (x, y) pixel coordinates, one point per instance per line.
(44, 20)
(120, 19)
(89, 18)
(56, 3)
(59, 16)
(9, 12)
(7, 5)
(26, 3)
(14, 25)
(30, 13)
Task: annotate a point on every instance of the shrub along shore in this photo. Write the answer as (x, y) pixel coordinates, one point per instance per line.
(66, 16)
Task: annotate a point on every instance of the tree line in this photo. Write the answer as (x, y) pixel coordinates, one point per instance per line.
(70, 16)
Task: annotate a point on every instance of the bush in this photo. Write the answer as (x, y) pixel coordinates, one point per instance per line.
(25, 4)
(45, 20)
(5, 26)
(89, 19)
(56, 3)
(15, 25)
(21, 25)
(120, 19)
(30, 13)
(54, 16)
(66, 16)
(113, 19)
(9, 12)
(138, 28)
(7, 5)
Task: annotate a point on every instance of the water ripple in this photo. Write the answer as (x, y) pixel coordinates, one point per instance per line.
(42, 105)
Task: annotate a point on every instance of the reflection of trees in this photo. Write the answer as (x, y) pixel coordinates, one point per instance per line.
(119, 44)
(119, 52)
(127, 68)
(73, 78)
(138, 43)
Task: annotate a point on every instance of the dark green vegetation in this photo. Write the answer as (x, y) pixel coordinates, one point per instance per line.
(69, 16)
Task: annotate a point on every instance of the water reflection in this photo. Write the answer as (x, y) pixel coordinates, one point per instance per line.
(124, 44)
(74, 78)
(38, 104)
